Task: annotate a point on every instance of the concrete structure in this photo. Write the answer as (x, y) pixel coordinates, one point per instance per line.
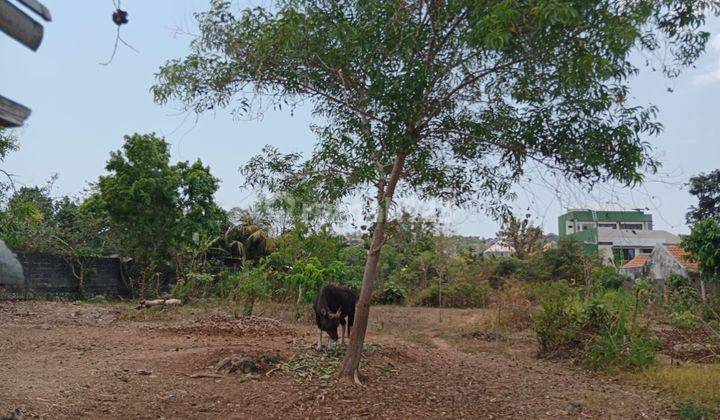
(616, 235)
(11, 272)
(498, 249)
(50, 274)
(671, 259)
(665, 259)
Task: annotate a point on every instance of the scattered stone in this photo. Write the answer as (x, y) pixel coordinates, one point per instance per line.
(43, 327)
(574, 407)
(16, 414)
(144, 372)
(238, 363)
(270, 359)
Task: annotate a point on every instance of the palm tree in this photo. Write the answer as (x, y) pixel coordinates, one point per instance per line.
(248, 238)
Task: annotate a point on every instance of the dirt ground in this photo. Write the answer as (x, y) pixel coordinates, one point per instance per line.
(61, 360)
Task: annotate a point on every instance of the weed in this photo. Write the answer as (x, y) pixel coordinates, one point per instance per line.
(697, 383)
(690, 411)
(461, 294)
(598, 328)
(684, 320)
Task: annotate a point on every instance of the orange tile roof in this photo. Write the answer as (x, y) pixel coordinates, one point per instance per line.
(637, 262)
(683, 256)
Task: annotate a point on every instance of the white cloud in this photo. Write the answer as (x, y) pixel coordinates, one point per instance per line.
(712, 76)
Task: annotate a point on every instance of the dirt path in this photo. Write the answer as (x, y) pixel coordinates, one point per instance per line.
(59, 360)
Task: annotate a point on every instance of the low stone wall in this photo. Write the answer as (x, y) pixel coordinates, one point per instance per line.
(50, 274)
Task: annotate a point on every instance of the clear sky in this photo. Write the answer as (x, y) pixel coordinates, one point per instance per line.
(82, 109)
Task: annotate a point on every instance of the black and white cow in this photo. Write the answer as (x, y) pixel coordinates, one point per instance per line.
(332, 305)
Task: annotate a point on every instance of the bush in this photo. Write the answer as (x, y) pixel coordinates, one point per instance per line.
(390, 293)
(608, 277)
(98, 299)
(507, 266)
(597, 329)
(688, 410)
(557, 323)
(460, 294)
(194, 285)
(684, 320)
(512, 310)
(682, 294)
(252, 284)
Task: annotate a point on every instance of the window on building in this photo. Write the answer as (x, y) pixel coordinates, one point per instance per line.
(608, 225)
(631, 226)
(628, 253)
(646, 251)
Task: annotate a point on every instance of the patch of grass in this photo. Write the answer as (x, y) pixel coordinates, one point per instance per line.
(691, 411)
(387, 368)
(421, 339)
(693, 383)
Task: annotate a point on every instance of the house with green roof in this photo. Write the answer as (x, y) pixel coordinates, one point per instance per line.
(617, 236)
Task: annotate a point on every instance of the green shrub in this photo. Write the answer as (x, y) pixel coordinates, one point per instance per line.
(557, 323)
(600, 329)
(608, 277)
(98, 299)
(684, 320)
(390, 293)
(252, 284)
(460, 294)
(194, 285)
(507, 266)
(690, 411)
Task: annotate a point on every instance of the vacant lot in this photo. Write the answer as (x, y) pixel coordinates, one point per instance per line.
(60, 360)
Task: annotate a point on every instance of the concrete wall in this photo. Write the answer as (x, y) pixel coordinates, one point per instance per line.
(662, 264)
(50, 274)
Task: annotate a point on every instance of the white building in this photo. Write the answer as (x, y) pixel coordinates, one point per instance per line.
(499, 249)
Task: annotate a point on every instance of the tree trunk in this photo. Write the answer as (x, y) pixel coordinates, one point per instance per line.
(357, 337)
(703, 293)
(298, 301)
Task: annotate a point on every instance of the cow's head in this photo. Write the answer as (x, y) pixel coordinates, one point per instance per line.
(330, 315)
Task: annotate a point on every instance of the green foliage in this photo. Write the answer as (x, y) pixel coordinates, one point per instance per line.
(688, 410)
(159, 210)
(522, 236)
(97, 299)
(684, 320)
(507, 266)
(682, 294)
(382, 81)
(390, 293)
(566, 262)
(252, 284)
(557, 323)
(703, 243)
(455, 295)
(706, 187)
(608, 277)
(599, 329)
(193, 285)
(8, 143)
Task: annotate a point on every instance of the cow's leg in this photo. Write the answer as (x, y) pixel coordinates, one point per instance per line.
(342, 324)
(319, 346)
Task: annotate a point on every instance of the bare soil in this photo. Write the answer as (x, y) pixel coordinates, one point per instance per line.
(60, 360)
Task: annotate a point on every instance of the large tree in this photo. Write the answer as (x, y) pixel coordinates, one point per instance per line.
(440, 99)
(706, 187)
(158, 209)
(703, 243)
(525, 238)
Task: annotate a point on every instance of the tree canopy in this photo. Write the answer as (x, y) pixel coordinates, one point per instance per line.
(157, 208)
(445, 99)
(706, 187)
(703, 243)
